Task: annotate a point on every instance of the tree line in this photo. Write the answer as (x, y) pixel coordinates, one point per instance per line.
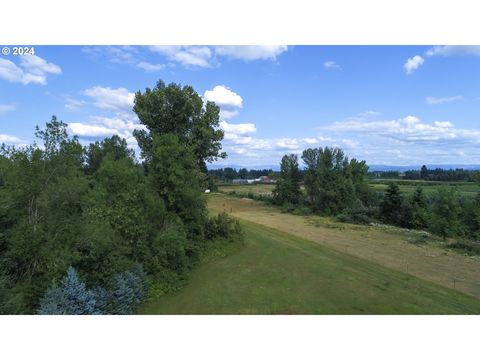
(336, 186)
(227, 174)
(426, 174)
(88, 229)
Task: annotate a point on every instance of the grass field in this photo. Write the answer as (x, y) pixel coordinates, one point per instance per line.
(278, 273)
(465, 189)
(312, 265)
(257, 189)
(406, 187)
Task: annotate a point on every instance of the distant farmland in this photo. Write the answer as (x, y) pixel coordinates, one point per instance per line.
(407, 187)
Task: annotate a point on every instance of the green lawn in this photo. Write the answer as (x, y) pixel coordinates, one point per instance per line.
(277, 273)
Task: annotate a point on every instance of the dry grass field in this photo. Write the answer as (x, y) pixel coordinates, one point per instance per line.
(394, 248)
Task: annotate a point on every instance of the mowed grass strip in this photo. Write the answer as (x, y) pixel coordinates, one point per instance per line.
(279, 273)
(392, 248)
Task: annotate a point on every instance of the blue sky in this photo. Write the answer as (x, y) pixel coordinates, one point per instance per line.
(395, 105)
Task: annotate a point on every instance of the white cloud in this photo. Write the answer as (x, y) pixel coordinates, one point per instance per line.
(9, 139)
(251, 52)
(73, 104)
(310, 140)
(148, 67)
(233, 130)
(331, 65)
(207, 56)
(119, 99)
(223, 96)
(412, 64)
(32, 69)
(407, 130)
(38, 66)
(452, 50)
(189, 56)
(227, 114)
(350, 143)
(89, 130)
(431, 100)
(4, 108)
(115, 54)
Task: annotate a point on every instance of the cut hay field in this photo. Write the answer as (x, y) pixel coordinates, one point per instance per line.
(296, 265)
(406, 187)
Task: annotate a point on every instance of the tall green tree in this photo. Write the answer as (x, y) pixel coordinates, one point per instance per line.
(332, 182)
(287, 187)
(391, 205)
(419, 209)
(445, 213)
(173, 109)
(424, 172)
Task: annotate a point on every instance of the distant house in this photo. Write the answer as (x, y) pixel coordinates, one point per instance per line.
(265, 180)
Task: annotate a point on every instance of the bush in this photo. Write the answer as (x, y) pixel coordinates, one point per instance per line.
(357, 214)
(130, 289)
(469, 247)
(72, 298)
(288, 208)
(224, 227)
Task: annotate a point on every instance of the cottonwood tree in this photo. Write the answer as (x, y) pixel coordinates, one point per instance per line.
(332, 182)
(173, 109)
(287, 188)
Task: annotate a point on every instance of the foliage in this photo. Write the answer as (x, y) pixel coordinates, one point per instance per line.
(71, 298)
(391, 205)
(100, 211)
(129, 291)
(287, 187)
(419, 209)
(445, 213)
(180, 111)
(332, 182)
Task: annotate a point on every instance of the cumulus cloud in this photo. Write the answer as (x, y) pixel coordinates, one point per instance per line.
(251, 52)
(89, 130)
(331, 65)
(431, 100)
(74, 104)
(408, 130)
(117, 118)
(237, 129)
(119, 99)
(4, 108)
(413, 63)
(208, 56)
(451, 50)
(223, 96)
(11, 140)
(114, 54)
(31, 69)
(189, 56)
(148, 67)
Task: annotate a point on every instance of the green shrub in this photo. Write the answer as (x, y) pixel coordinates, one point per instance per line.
(469, 247)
